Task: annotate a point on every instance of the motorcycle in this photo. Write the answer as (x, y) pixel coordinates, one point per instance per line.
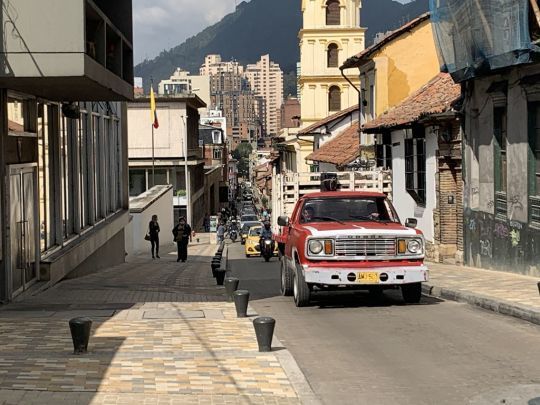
(267, 249)
(233, 234)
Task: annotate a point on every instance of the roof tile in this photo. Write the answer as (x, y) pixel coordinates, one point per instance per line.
(435, 97)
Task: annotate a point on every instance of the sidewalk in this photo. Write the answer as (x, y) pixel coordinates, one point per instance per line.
(161, 334)
(501, 292)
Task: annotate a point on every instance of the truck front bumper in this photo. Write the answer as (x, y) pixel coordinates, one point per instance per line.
(375, 276)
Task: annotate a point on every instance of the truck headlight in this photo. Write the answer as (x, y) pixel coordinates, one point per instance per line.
(414, 246)
(315, 247)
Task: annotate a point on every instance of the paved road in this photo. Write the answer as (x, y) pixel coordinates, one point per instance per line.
(354, 351)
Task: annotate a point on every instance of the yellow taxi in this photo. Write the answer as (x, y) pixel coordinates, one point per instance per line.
(252, 247)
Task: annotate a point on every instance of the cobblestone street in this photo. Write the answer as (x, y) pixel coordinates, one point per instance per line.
(162, 333)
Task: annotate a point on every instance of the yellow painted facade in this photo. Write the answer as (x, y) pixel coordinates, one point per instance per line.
(316, 78)
(399, 68)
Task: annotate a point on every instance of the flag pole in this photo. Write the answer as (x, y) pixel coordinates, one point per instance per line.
(153, 160)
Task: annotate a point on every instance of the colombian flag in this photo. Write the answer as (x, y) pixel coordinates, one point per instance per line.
(153, 110)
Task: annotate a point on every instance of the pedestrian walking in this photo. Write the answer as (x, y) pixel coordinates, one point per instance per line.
(206, 223)
(182, 237)
(221, 232)
(153, 233)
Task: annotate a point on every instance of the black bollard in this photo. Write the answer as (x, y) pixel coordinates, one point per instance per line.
(231, 285)
(241, 300)
(80, 334)
(539, 288)
(220, 276)
(264, 329)
(215, 266)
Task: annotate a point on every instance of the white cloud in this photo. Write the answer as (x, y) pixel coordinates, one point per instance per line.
(163, 24)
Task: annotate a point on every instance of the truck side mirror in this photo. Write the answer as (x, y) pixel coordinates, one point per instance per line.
(411, 223)
(283, 221)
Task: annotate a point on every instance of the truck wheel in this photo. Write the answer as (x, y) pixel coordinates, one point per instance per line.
(301, 291)
(412, 293)
(286, 279)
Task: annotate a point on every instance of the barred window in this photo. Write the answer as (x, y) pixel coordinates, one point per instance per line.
(415, 166)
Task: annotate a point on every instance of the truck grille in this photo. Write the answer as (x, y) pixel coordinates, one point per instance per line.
(362, 246)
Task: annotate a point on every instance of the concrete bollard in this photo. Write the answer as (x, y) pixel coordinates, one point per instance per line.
(80, 334)
(241, 301)
(231, 285)
(264, 330)
(220, 276)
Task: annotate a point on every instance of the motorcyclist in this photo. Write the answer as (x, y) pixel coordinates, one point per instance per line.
(266, 233)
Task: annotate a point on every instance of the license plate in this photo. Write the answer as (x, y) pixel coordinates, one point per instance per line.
(368, 278)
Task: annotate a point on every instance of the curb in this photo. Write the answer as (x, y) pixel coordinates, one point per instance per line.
(499, 306)
(296, 376)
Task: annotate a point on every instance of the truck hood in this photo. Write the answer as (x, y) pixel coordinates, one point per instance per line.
(335, 229)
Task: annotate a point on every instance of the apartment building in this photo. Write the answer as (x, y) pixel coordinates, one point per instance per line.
(182, 82)
(266, 80)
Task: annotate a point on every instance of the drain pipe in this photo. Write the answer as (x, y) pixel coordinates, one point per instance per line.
(360, 106)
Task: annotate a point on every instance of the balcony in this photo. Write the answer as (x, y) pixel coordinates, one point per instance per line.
(68, 50)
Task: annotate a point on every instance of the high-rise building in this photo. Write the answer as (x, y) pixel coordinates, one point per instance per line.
(266, 79)
(213, 65)
(330, 35)
(231, 93)
(182, 83)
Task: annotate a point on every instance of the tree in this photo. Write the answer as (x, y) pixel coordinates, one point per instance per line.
(242, 153)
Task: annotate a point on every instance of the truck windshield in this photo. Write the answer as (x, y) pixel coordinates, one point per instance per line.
(348, 209)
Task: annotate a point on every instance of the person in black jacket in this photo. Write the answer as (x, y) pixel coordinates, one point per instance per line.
(153, 231)
(182, 237)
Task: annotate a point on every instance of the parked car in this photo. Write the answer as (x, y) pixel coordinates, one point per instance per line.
(354, 240)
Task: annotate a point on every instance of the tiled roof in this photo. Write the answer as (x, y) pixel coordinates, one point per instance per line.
(362, 57)
(435, 97)
(341, 150)
(328, 120)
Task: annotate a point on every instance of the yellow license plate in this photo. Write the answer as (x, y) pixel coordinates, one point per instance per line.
(368, 278)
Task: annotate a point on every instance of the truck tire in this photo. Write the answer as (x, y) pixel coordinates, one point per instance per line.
(301, 291)
(286, 279)
(412, 293)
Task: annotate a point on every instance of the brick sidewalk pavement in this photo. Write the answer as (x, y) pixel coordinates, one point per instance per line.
(161, 334)
(506, 293)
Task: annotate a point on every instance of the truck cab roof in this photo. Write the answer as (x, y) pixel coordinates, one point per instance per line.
(342, 194)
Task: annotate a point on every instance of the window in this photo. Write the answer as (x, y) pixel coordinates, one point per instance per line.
(334, 99)
(534, 163)
(499, 135)
(79, 170)
(333, 12)
(383, 151)
(333, 56)
(347, 209)
(415, 165)
(21, 117)
(46, 202)
(217, 153)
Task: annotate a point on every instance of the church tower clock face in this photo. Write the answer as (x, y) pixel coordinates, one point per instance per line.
(331, 34)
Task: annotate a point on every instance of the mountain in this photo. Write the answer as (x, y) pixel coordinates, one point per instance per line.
(266, 27)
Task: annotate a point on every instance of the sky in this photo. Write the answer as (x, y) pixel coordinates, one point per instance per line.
(163, 24)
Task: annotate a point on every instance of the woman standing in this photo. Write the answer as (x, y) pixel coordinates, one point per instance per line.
(153, 231)
(182, 237)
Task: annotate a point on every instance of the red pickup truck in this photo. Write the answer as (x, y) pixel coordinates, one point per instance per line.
(349, 240)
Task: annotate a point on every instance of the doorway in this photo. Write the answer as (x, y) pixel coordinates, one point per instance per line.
(24, 234)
